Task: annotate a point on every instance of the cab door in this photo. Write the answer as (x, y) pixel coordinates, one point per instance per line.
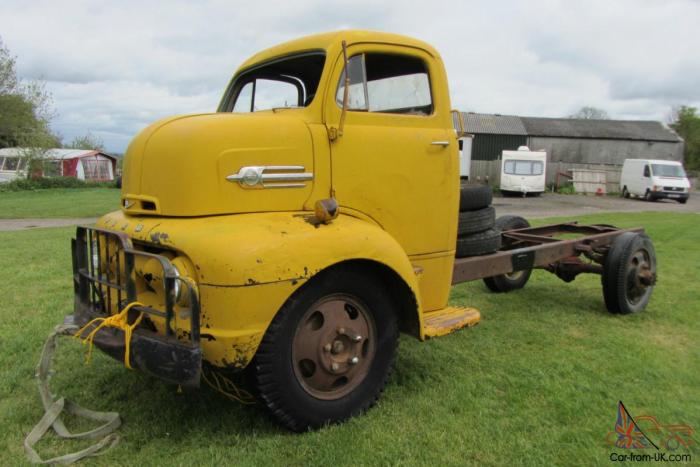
(397, 160)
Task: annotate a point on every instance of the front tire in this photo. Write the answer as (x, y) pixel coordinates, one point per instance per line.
(328, 353)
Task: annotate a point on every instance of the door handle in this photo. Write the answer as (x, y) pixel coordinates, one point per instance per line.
(444, 144)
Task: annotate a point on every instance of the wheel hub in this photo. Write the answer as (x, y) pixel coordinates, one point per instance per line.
(334, 346)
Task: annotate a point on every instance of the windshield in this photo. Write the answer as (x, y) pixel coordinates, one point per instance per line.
(284, 83)
(666, 170)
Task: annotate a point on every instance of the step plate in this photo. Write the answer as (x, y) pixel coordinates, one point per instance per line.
(449, 319)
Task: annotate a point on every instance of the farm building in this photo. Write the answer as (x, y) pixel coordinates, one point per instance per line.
(570, 144)
(82, 164)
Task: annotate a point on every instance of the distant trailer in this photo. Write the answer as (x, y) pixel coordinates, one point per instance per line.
(523, 171)
(88, 165)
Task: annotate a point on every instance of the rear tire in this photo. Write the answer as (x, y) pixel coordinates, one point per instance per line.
(514, 280)
(473, 197)
(305, 370)
(630, 259)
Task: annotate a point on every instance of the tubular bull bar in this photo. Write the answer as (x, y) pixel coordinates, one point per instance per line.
(105, 282)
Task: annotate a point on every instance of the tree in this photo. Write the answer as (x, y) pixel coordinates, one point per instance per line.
(89, 141)
(686, 122)
(590, 113)
(27, 108)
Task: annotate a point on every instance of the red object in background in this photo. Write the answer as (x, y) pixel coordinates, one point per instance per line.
(599, 192)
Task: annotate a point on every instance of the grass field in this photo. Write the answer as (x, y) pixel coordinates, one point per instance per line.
(535, 383)
(58, 202)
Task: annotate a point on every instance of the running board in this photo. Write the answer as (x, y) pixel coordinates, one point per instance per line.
(449, 319)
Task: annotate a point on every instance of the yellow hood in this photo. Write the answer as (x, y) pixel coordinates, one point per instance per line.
(178, 166)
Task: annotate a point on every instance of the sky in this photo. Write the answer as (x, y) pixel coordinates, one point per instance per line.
(113, 67)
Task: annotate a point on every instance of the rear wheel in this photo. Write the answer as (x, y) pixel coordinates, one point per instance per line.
(328, 353)
(517, 279)
(629, 273)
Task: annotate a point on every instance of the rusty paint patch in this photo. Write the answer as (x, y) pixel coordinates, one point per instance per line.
(160, 237)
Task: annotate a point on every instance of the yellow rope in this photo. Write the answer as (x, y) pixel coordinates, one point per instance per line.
(225, 386)
(119, 321)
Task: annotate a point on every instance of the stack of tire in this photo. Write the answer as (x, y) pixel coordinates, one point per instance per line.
(476, 234)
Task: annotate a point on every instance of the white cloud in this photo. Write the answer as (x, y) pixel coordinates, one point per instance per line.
(113, 67)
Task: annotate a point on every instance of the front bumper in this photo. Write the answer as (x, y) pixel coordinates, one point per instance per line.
(106, 284)
(676, 196)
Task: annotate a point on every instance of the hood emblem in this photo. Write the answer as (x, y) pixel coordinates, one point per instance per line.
(271, 176)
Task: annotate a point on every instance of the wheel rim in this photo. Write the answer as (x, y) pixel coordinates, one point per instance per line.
(640, 275)
(514, 276)
(334, 346)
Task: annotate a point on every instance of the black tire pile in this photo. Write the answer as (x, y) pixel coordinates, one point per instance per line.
(476, 234)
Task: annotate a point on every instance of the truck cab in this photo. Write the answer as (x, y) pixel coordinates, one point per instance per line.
(273, 228)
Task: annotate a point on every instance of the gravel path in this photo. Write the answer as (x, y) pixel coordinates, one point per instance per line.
(551, 204)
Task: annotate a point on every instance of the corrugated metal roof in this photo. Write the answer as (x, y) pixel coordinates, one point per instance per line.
(493, 124)
(599, 129)
(55, 154)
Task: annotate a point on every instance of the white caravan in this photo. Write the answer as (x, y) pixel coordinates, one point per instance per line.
(523, 171)
(654, 179)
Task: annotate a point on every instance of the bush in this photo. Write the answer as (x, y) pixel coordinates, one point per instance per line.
(567, 189)
(22, 184)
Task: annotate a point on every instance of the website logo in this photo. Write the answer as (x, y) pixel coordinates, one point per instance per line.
(645, 432)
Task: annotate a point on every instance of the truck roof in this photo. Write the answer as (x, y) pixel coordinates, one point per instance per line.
(331, 40)
(654, 161)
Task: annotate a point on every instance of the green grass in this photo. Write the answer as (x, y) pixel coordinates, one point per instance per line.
(59, 202)
(535, 383)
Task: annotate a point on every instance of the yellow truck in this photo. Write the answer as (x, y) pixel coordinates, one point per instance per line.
(297, 230)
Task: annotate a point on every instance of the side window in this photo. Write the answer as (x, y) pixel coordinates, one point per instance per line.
(509, 167)
(387, 83)
(11, 163)
(647, 172)
(537, 168)
(245, 99)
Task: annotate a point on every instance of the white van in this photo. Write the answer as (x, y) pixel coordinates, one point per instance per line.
(523, 171)
(654, 179)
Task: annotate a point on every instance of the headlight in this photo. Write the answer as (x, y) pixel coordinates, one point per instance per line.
(177, 287)
(185, 272)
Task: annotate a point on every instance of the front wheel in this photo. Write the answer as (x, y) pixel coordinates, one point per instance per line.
(328, 353)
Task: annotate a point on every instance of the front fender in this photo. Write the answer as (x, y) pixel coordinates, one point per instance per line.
(248, 265)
